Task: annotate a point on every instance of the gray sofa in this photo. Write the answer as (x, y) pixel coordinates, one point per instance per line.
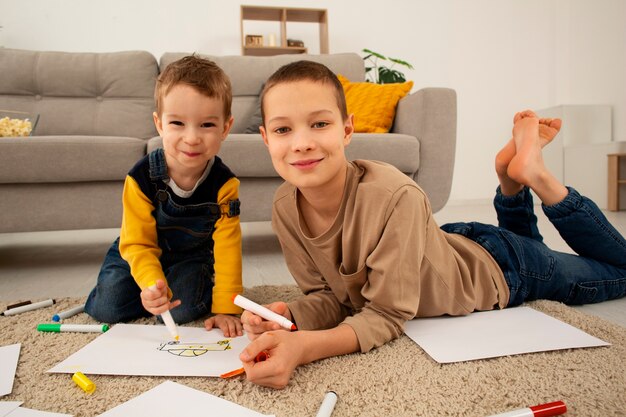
(96, 122)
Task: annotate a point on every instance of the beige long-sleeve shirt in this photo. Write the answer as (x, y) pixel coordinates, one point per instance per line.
(383, 261)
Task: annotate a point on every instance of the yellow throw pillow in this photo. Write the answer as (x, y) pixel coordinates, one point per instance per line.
(373, 105)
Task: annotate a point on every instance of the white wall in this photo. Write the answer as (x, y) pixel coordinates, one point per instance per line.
(499, 55)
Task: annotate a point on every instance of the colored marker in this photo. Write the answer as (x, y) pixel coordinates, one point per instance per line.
(328, 405)
(543, 410)
(23, 303)
(167, 319)
(81, 328)
(68, 313)
(262, 356)
(264, 312)
(29, 307)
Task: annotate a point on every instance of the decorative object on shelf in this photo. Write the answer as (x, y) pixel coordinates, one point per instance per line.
(295, 42)
(380, 74)
(17, 123)
(254, 40)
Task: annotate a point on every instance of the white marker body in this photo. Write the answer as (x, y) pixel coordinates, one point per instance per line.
(328, 405)
(264, 312)
(28, 307)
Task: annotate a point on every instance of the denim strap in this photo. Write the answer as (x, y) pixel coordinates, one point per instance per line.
(158, 166)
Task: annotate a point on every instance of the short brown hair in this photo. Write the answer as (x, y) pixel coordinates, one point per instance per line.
(199, 73)
(306, 70)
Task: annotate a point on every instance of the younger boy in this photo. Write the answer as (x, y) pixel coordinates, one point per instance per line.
(180, 227)
(361, 242)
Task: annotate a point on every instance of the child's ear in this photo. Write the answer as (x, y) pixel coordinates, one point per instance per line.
(227, 126)
(348, 129)
(263, 134)
(158, 123)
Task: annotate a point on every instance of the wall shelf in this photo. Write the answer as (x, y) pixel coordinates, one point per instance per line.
(282, 15)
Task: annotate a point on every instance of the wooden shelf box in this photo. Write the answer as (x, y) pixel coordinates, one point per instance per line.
(282, 15)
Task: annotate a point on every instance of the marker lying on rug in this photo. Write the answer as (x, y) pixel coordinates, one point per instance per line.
(543, 410)
(80, 328)
(16, 305)
(328, 405)
(264, 312)
(29, 307)
(68, 313)
(167, 317)
(262, 356)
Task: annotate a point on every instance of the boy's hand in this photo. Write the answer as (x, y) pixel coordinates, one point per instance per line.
(230, 325)
(255, 325)
(155, 300)
(285, 352)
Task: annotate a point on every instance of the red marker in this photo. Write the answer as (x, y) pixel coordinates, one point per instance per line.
(543, 410)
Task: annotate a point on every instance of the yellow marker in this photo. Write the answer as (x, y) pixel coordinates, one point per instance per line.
(83, 382)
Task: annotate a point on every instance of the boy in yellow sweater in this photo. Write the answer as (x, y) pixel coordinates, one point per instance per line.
(361, 242)
(180, 233)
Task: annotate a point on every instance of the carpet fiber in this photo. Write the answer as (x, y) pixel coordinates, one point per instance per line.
(398, 379)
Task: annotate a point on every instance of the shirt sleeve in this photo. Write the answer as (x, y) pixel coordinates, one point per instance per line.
(392, 290)
(138, 236)
(227, 252)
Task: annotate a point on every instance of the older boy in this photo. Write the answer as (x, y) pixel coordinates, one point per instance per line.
(180, 226)
(361, 242)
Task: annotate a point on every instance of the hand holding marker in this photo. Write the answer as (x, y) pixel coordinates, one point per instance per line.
(167, 317)
(264, 312)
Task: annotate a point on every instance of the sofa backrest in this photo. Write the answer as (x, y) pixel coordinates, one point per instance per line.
(92, 94)
(249, 73)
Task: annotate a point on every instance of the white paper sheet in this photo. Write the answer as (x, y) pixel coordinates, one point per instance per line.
(133, 349)
(491, 334)
(27, 412)
(9, 356)
(172, 399)
(7, 406)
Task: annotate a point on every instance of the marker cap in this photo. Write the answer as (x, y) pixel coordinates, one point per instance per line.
(83, 382)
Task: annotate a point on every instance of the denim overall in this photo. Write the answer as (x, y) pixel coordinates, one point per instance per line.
(185, 236)
(534, 271)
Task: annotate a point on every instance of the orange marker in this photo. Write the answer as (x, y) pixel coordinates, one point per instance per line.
(263, 355)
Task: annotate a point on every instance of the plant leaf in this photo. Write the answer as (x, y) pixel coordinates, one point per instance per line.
(401, 62)
(376, 54)
(389, 76)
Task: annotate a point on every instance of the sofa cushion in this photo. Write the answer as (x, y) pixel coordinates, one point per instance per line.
(373, 105)
(247, 156)
(68, 158)
(247, 84)
(99, 94)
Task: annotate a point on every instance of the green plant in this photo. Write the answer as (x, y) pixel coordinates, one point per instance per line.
(381, 74)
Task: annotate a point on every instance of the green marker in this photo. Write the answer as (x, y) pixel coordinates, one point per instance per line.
(83, 328)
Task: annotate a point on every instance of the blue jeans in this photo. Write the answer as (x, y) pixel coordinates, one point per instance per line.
(116, 296)
(534, 271)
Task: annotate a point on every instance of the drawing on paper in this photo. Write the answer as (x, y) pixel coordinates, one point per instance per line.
(194, 349)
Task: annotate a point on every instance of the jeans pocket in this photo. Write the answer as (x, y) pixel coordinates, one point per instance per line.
(534, 258)
(583, 293)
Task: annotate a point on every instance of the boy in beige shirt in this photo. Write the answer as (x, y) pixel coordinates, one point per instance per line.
(360, 240)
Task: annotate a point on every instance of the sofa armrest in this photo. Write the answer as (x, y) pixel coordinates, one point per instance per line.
(430, 115)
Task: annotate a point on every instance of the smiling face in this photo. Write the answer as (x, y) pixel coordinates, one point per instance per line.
(306, 135)
(193, 127)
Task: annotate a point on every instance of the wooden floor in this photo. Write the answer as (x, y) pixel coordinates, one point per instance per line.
(41, 265)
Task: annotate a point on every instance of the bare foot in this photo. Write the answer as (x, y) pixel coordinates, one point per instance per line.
(548, 129)
(527, 166)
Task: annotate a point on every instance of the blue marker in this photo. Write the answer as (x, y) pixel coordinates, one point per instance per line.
(68, 313)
